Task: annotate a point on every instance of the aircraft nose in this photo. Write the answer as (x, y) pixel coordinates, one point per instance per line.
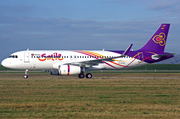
(4, 63)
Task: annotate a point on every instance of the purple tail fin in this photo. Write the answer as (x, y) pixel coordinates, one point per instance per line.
(158, 41)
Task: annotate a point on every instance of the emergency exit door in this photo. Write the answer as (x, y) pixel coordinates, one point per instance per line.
(26, 57)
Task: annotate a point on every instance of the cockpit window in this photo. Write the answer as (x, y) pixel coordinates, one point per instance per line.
(13, 56)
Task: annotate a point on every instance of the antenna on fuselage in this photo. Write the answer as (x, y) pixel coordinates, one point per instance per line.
(28, 49)
(103, 49)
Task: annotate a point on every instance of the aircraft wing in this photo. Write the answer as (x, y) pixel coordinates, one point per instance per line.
(97, 61)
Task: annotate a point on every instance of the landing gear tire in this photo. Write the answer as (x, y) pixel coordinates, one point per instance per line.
(81, 75)
(25, 76)
(88, 75)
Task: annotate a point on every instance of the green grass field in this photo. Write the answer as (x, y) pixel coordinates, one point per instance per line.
(158, 67)
(112, 95)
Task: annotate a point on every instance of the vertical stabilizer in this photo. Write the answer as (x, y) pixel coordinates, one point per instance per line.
(158, 41)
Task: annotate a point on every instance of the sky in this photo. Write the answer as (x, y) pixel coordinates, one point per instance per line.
(85, 24)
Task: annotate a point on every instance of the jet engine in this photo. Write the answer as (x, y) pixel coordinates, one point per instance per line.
(66, 70)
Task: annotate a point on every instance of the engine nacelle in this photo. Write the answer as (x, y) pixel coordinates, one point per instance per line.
(69, 70)
(66, 70)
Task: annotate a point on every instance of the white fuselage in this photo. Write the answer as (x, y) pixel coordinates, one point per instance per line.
(51, 59)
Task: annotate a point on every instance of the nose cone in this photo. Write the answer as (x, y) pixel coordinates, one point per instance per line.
(10, 63)
(4, 63)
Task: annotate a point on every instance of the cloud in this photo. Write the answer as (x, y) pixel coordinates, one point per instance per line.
(82, 33)
(168, 6)
(20, 33)
(161, 7)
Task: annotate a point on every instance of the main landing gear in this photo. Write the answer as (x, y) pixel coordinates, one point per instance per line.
(88, 75)
(26, 74)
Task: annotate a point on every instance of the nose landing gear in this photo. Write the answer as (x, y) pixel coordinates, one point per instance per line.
(26, 74)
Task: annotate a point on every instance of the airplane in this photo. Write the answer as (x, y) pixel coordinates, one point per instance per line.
(76, 62)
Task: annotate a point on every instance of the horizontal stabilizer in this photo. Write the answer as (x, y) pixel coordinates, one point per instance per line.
(157, 56)
(163, 55)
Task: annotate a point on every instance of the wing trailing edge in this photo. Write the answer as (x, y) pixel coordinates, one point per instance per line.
(97, 61)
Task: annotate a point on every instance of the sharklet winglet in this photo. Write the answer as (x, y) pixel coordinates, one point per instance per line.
(126, 51)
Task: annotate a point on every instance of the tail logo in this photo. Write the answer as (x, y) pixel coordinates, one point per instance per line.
(163, 26)
(159, 39)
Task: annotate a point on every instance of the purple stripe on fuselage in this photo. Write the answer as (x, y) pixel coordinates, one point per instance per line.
(145, 56)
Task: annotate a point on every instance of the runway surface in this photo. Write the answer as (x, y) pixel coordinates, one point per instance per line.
(41, 75)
